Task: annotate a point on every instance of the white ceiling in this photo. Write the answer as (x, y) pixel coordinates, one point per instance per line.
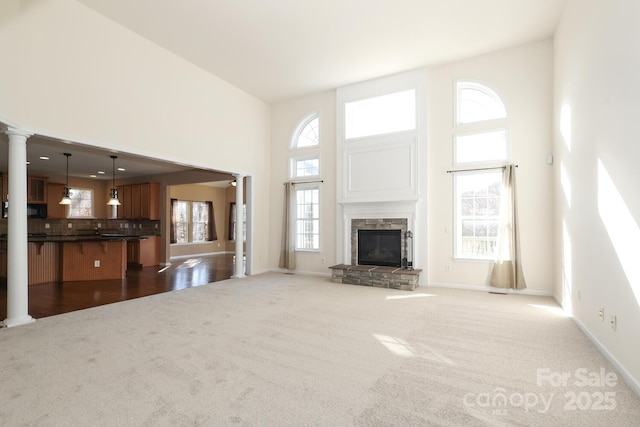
(280, 49)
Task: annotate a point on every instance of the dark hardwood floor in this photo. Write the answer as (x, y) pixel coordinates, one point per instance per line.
(56, 298)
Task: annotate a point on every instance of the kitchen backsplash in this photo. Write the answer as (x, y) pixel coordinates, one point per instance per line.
(66, 227)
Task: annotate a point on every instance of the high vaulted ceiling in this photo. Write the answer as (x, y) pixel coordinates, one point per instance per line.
(281, 49)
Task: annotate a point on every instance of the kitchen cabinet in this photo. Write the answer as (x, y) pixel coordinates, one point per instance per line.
(139, 201)
(36, 189)
(54, 209)
(144, 252)
(3, 187)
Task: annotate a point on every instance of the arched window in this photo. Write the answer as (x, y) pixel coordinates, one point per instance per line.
(307, 133)
(476, 103)
(480, 140)
(480, 133)
(305, 165)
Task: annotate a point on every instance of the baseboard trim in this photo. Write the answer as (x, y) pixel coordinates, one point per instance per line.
(302, 273)
(177, 257)
(632, 382)
(484, 288)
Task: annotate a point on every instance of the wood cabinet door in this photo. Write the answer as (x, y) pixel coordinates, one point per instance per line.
(135, 202)
(36, 189)
(150, 251)
(120, 210)
(126, 201)
(54, 209)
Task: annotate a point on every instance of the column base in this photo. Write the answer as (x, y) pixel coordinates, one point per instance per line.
(235, 276)
(10, 323)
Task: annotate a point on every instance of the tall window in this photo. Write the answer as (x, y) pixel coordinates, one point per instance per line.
(305, 166)
(480, 141)
(181, 221)
(233, 222)
(200, 221)
(307, 217)
(81, 203)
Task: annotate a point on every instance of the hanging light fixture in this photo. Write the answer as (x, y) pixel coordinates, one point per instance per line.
(66, 193)
(113, 194)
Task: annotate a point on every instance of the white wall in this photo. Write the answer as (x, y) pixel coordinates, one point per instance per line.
(71, 73)
(285, 118)
(598, 204)
(522, 77)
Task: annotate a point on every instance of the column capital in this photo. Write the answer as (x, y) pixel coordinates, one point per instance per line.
(10, 130)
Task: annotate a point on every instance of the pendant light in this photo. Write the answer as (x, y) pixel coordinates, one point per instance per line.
(66, 194)
(113, 194)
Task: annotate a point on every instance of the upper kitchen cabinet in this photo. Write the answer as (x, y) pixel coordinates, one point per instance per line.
(3, 187)
(36, 189)
(139, 201)
(54, 209)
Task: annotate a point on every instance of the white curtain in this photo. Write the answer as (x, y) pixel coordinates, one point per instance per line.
(288, 250)
(507, 268)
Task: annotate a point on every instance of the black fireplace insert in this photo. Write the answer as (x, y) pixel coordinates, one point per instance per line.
(380, 247)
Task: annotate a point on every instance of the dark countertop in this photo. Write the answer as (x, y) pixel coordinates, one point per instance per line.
(43, 237)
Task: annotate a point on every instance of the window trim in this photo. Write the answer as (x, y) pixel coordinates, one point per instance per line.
(308, 186)
(293, 167)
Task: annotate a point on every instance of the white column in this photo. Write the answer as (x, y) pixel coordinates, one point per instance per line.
(17, 250)
(239, 267)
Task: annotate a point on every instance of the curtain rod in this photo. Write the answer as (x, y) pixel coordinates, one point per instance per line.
(478, 169)
(304, 182)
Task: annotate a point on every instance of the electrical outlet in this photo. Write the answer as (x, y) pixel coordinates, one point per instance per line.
(614, 322)
(69, 225)
(601, 314)
(47, 225)
(322, 260)
(96, 263)
(447, 267)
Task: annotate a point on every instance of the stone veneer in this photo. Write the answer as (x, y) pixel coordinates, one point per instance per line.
(371, 275)
(380, 277)
(377, 224)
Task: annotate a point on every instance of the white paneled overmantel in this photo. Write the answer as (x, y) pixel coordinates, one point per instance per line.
(382, 176)
(382, 170)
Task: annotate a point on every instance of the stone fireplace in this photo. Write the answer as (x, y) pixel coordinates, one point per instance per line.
(377, 224)
(397, 216)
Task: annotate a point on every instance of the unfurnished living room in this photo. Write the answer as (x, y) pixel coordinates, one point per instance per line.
(327, 213)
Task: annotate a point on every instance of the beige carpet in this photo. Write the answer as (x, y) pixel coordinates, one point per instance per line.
(288, 350)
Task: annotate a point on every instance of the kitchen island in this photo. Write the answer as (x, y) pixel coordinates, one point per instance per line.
(66, 258)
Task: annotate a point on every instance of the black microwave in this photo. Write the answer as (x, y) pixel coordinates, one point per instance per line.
(34, 210)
